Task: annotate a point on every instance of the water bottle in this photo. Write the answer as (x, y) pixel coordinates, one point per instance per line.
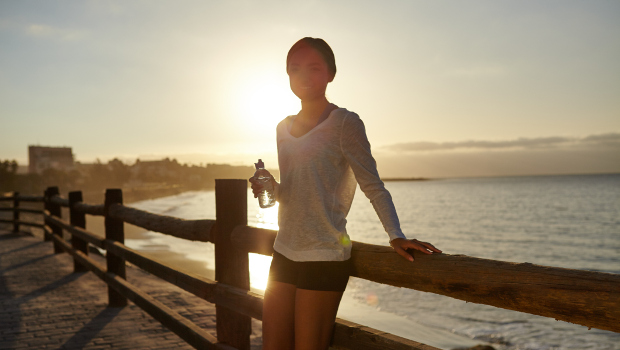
(266, 198)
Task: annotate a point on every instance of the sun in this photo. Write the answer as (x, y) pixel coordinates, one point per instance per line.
(264, 99)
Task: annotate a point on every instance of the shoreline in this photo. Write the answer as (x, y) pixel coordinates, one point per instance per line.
(389, 179)
(136, 194)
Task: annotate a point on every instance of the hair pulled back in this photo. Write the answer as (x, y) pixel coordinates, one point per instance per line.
(320, 46)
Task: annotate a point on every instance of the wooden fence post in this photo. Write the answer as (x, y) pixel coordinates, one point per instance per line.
(78, 219)
(114, 231)
(231, 263)
(15, 212)
(55, 210)
(46, 206)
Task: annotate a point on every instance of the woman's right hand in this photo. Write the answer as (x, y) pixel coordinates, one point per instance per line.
(257, 187)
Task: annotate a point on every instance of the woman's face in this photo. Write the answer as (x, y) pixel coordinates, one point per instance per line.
(308, 74)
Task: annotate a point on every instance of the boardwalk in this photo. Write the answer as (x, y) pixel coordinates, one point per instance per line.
(44, 305)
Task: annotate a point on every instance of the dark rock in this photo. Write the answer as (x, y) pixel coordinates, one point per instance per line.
(477, 347)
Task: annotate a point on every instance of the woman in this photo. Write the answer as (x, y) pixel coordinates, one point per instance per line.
(322, 151)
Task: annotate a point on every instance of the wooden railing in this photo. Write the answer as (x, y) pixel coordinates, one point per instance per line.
(587, 298)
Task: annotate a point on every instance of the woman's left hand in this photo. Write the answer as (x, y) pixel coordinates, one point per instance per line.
(401, 245)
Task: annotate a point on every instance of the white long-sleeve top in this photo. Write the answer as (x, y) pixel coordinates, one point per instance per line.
(318, 173)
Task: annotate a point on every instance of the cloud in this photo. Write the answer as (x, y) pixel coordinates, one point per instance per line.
(608, 139)
(520, 162)
(45, 31)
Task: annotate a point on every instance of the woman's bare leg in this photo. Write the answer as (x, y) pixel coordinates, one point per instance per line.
(315, 314)
(279, 316)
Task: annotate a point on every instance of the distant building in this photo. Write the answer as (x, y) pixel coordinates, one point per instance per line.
(41, 158)
(148, 170)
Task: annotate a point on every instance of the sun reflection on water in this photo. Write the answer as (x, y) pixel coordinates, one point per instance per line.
(259, 264)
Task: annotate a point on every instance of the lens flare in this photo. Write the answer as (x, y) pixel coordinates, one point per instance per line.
(372, 299)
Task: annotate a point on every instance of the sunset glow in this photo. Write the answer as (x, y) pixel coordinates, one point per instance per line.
(205, 82)
(263, 100)
(259, 264)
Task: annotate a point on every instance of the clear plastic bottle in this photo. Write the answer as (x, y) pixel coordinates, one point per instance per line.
(266, 198)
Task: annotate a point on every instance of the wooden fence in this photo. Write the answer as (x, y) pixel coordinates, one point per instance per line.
(591, 299)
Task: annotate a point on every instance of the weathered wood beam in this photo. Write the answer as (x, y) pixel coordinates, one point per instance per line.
(350, 335)
(193, 230)
(244, 302)
(347, 335)
(79, 232)
(20, 222)
(77, 219)
(181, 326)
(254, 239)
(54, 209)
(591, 299)
(32, 211)
(231, 263)
(22, 198)
(28, 223)
(23, 210)
(26, 198)
(201, 287)
(114, 231)
(90, 208)
(588, 298)
(15, 212)
(63, 202)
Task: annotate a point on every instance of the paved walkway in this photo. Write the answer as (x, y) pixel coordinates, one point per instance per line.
(44, 305)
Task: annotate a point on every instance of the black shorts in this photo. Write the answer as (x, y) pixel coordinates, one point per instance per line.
(312, 275)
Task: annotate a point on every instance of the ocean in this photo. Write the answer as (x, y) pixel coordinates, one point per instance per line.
(563, 221)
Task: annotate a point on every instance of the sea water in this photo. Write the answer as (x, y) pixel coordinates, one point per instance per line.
(563, 221)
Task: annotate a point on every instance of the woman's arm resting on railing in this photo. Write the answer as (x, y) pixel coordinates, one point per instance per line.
(356, 149)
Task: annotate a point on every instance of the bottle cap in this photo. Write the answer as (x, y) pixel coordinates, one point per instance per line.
(260, 164)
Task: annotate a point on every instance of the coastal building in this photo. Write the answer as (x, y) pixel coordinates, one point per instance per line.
(42, 157)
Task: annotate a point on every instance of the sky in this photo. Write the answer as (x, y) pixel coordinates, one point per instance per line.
(445, 88)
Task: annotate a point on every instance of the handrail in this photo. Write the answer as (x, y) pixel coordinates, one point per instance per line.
(21, 222)
(350, 335)
(25, 198)
(23, 210)
(587, 298)
(63, 202)
(89, 209)
(254, 239)
(180, 325)
(583, 297)
(193, 230)
(246, 302)
(21, 198)
(76, 231)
